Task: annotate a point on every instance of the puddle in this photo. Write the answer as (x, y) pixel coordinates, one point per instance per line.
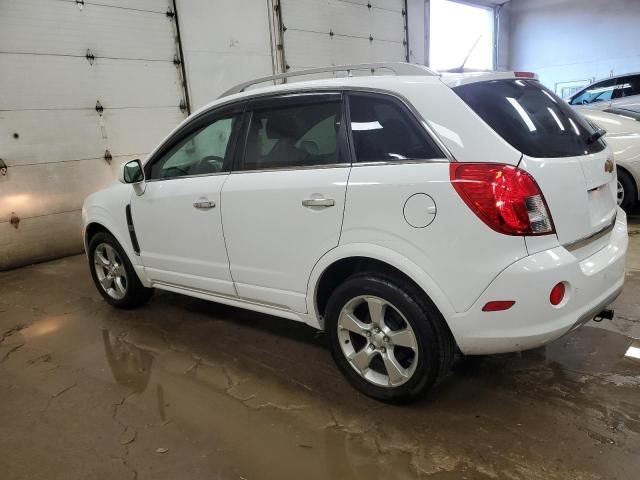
(226, 393)
(633, 352)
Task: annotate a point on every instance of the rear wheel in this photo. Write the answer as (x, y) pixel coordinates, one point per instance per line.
(627, 193)
(113, 274)
(389, 341)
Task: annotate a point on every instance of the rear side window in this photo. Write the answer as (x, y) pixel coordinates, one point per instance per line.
(384, 130)
(531, 118)
(627, 86)
(294, 136)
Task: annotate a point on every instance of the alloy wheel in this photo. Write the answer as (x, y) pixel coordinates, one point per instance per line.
(110, 271)
(377, 341)
(620, 193)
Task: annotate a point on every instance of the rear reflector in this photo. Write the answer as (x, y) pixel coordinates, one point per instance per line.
(557, 294)
(498, 305)
(504, 197)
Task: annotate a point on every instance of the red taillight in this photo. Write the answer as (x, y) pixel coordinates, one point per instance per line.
(498, 305)
(506, 198)
(557, 294)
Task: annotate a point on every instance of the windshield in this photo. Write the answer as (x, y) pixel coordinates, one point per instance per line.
(531, 118)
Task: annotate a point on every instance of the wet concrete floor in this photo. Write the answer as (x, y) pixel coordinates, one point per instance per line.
(189, 389)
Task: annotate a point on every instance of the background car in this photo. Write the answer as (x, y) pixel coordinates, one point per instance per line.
(605, 91)
(623, 135)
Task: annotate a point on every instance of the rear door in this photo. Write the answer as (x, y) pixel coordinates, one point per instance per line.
(574, 170)
(283, 205)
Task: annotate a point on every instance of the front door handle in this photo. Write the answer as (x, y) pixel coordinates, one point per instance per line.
(318, 202)
(204, 204)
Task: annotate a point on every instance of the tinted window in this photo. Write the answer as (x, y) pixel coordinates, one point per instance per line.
(598, 92)
(294, 136)
(202, 152)
(531, 118)
(384, 130)
(627, 86)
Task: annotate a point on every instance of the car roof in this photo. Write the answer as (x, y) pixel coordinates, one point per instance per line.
(390, 83)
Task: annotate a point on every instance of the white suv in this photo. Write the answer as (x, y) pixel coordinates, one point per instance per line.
(408, 216)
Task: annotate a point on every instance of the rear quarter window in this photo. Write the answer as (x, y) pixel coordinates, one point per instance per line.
(531, 118)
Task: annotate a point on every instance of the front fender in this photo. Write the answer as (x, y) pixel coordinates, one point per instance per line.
(382, 254)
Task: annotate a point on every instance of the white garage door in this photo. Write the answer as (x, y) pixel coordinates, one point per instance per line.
(319, 33)
(77, 79)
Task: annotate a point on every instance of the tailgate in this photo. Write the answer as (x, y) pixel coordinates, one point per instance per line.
(580, 192)
(560, 149)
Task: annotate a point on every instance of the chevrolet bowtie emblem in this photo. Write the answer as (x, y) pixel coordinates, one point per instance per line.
(608, 166)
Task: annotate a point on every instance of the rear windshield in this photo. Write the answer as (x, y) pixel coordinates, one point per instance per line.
(531, 118)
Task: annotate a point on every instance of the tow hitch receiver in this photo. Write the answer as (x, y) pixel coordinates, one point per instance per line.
(606, 314)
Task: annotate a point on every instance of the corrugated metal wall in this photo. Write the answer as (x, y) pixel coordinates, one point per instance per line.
(79, 78)
(317, 33)
(58, 60)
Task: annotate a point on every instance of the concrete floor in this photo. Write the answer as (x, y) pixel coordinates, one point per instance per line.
(188, 389)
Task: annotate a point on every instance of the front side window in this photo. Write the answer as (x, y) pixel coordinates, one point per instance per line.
(385, 131)
(598, 92)
(294, 136)
(203, 152)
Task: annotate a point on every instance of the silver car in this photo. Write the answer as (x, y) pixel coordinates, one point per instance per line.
(608, 90)
(623, 135)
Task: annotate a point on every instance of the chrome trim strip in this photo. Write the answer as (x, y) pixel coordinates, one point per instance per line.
(223, 296)
(401, 162)
(284, 169)
(577, 244)
(186, 176)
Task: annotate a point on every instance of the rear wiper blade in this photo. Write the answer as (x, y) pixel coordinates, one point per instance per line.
(595, 136)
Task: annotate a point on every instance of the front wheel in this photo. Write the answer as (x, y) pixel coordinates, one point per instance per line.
(113, 274)
(387, 338)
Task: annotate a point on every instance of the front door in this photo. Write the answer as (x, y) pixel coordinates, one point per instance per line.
(283, 204)
(178, 217)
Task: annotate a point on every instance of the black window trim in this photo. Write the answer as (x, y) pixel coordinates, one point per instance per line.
(410, 111)
(197, 123)
(240, 106)
(292, 99)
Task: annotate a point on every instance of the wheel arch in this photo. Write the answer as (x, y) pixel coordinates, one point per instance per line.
(342, 262)
(90, 230)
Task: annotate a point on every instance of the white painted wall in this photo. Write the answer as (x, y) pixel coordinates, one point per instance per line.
(570, 40)
(416, 21)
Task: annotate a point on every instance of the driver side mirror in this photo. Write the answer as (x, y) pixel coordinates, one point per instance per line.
(131, 172)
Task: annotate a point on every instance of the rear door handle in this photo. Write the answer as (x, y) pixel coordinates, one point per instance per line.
(204, 204)
(318, 202)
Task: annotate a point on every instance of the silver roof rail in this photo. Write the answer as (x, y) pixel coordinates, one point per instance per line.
(399, 68)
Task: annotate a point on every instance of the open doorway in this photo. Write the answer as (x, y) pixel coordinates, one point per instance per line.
(458, 30)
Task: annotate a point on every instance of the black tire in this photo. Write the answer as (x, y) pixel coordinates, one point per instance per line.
(135, 294)
(629, 189)
(436, 346)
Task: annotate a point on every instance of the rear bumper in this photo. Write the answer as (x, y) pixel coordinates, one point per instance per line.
(593, 283)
